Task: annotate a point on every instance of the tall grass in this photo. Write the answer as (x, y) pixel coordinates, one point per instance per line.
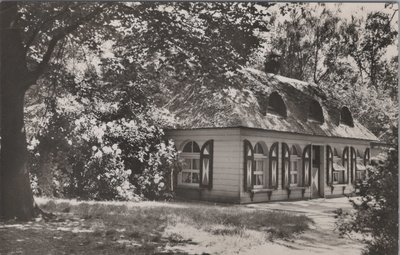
(155, 218)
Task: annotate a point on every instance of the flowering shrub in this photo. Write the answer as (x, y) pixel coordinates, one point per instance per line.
(34, 184)
(99, 153)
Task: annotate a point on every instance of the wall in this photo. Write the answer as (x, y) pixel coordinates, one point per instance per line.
(226, 167)
(228, 162)
(270, 137)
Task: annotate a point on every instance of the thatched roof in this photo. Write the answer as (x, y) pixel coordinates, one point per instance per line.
(246, 108)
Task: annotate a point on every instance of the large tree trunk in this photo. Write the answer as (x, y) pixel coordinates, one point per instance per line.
(16, 200)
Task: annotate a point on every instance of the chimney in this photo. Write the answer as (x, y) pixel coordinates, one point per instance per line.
(272, 63)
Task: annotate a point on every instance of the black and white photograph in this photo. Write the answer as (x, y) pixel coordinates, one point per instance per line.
(194, 127)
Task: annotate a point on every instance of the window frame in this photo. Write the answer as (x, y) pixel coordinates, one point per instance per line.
(367, 156)
(329, 165)
(192, 156)
(259, 158)
(338, 160)
(273, 172)
(306, 173)
(346, 164)
(359, 161)
(297, 170)
(285, 166)
(248, 181)
(353, 164)
(210, 157)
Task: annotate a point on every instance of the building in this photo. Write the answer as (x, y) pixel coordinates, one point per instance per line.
(280, 139)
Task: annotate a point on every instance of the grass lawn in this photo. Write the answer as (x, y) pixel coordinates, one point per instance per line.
(146, 228)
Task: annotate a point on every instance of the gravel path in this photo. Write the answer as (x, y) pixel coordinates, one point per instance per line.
(322, 237)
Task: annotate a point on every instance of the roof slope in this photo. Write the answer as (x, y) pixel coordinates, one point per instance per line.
(243, 108)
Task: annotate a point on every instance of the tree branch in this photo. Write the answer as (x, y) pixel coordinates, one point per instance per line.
(35, 74)
(42, 25)
(391, 18)
(327, 71)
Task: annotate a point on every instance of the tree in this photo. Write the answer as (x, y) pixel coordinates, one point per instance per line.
(19, 72)
(375, 215)
(195, 50)
(33, 35)
(347, 59)
(307, 41)
(367, 43)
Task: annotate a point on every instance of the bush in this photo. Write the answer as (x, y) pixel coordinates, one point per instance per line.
(99, 150)
(375, 214)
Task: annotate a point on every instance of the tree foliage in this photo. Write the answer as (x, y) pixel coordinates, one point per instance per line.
(375, 214)
(347, 58)
(307, 41)
(115, 69)
(98, 149)
(143, 53)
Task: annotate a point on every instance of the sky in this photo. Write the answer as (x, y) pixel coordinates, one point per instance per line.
(362, 9)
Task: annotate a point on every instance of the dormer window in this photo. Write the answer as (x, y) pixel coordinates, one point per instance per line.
(276, 105)
(345, 117)
(315, 112)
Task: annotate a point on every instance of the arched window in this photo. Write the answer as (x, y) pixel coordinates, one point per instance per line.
(306, 166)
(295, 165)
(315, 112)
(345, 117)
(361, 170)
(273, 166)
(367, 156)
(276, 105)
(190, 174)
(191, 147)
(346, 165)
(285, 166)
(336, 153)
(329, 165)
(206, 164)
(338, 171)
(353, 164)
(259, 165)
(248, 166)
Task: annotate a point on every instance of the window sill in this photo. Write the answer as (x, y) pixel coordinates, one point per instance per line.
(297, 188)
(183, 186)
(339, 184)
(363, 181)
(261, 190)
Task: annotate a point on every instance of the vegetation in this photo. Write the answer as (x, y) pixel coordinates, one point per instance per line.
(41, 44)
(142, 228)
(375, 214)
(347, 58)
(91, 84)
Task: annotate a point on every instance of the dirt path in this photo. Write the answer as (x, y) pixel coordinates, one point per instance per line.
(322, 237)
